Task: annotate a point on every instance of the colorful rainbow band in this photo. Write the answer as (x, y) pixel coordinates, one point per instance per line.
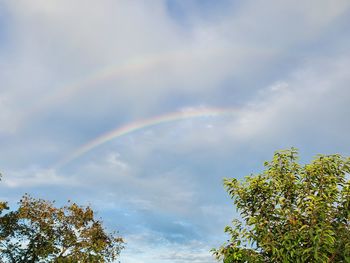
(142, 124)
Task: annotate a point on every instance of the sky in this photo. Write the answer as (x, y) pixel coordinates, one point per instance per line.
(141, 108)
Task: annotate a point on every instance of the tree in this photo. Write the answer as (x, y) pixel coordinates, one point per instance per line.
(3, 205)
(291, 212)
(40, 232)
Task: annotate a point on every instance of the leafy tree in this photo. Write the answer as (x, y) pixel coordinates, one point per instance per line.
(291, 212)
(3, 205)
(40, 232)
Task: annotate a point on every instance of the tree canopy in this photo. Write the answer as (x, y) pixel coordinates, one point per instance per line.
(291, 212)
(39, 232)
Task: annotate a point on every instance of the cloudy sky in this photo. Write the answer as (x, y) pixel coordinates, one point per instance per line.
(141, 108)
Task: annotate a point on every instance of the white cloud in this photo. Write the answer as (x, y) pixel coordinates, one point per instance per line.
(138, 187)
(35, 177)
(192, 251)
(60, 35)
(310, 99)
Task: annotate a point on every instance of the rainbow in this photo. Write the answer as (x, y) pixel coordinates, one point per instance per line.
(67, 91)
(142, 124)
(129, 68)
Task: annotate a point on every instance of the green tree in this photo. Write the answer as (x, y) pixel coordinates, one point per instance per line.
(291, 212)
(39, 232)
(3, 205)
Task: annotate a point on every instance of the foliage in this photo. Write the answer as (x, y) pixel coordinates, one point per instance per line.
(291, 212)
(3, 205)
(40, 232)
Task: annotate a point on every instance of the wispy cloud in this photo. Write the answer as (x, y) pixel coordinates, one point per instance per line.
(35, 177)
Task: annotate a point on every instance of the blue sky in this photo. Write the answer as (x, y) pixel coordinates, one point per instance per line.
(73, 70)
